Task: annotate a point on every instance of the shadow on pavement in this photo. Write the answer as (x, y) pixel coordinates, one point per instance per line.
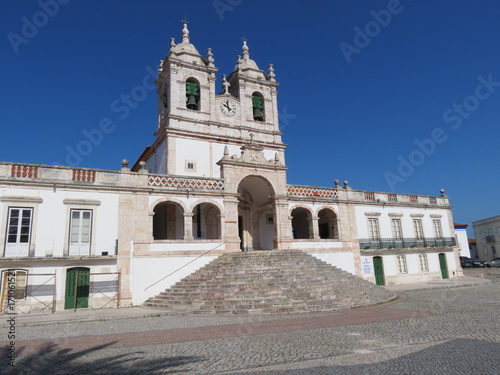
(51, 360)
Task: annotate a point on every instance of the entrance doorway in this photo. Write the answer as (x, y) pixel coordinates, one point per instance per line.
(443, 265)
(256, 214)
(77, 288)
(378, 267)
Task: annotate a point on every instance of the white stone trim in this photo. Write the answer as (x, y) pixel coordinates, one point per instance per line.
(82, 202)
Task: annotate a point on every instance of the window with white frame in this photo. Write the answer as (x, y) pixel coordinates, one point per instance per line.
(397, 232)
(485, 250)
(19, 226)
(373, 228)
(483, 234)
(15, 279)
(422, 262)
(436, 224)
(498, 231)
(417, 226)
(190, 166)
(401, 260)
(80, 232)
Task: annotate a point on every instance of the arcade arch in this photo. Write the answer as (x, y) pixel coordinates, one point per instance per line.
(256, 214)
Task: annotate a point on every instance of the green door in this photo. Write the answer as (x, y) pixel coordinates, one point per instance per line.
(77, 288)
(444, 267)
(378, 267)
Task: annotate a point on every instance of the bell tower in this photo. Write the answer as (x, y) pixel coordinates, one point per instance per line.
(257, 93)
(196, 126)
(186, 84)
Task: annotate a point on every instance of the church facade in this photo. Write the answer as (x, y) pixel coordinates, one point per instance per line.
(214, 181)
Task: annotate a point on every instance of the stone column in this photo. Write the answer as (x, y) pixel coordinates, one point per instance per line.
(283, 225)
(315, 228)
(230, 223)
(188, 225)
(348, 233)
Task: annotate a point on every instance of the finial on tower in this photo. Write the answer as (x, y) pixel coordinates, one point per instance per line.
(245, 48)
(271, 74)
(172, 46)
(210, 57)
(185, 32)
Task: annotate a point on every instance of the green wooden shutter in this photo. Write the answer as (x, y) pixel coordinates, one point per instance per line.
(192, 88)
(257, 102)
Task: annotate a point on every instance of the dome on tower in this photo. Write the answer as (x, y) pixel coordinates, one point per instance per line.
(185, 50)
(245, 65)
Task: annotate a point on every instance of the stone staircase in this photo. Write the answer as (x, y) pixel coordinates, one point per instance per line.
(268, 282)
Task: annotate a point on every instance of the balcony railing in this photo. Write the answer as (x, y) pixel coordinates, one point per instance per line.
(405, 243)
(490, 238)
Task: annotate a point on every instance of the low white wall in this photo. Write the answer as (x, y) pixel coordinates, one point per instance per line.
(186, 246)
(344, 261)
(322, 244)
(148, 271)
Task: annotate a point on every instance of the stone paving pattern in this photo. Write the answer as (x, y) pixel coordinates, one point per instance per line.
(439, 331)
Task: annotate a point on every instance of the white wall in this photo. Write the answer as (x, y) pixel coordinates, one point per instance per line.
(384, 220)
(51, 218)
(463, 242)
(148, 274)
(344, 261)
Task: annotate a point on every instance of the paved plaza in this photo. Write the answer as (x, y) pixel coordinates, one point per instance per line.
(430, 330)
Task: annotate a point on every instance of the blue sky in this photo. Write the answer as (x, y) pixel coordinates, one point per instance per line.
(391, 95)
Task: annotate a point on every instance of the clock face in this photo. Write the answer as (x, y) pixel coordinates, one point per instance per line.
(228, 107)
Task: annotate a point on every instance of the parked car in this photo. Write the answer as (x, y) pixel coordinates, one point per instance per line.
(476, 263)
(495, 262)
(463, 262)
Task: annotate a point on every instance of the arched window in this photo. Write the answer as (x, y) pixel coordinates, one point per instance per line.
(192, 94)
(301, 223)
(327, 224)
(258, 107)
(168, 221)
(206, 221)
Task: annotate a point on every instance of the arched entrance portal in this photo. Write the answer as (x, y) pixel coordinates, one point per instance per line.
(256, 214)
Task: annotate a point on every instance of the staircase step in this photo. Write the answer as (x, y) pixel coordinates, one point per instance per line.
(268, 282)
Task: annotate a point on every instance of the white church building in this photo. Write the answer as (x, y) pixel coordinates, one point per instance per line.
(214, 181)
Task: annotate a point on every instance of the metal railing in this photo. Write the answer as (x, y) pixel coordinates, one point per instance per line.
(104, 286)
(405, 243)
(185, 265)
(490, 238)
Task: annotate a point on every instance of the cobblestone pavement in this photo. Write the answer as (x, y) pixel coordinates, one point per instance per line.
(440, 331)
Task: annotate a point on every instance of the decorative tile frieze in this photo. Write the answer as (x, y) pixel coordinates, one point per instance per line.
(186, 182)
(306, 191)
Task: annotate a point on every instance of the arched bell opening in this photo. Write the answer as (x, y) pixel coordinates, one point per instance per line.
(192, 94)
(258, 109)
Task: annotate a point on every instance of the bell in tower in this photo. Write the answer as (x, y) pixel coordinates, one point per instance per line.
(192, 95)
